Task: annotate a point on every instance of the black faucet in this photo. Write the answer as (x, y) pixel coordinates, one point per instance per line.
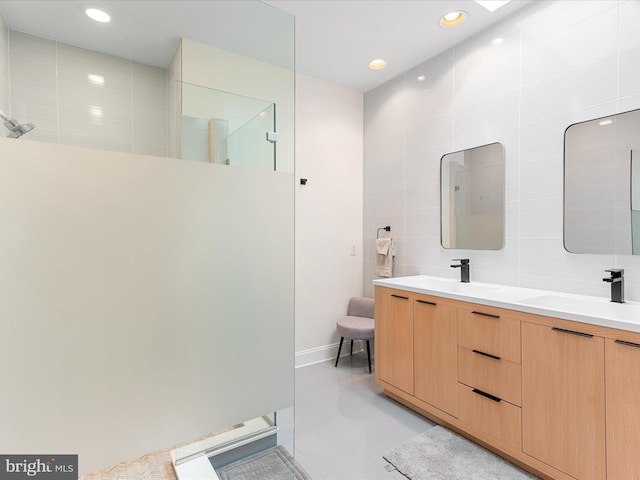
(617, 284)
(464, 268)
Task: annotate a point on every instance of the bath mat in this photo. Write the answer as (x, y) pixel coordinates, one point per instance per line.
(440, 454)
(271, 464)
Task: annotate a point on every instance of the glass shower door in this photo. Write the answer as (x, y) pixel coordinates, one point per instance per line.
(227, 129)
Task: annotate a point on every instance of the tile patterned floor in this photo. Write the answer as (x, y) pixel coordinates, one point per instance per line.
(344, 423)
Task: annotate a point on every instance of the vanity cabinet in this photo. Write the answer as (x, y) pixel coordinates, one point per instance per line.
(416, 345)
(563, 399)
(435, 353)
(394, 338)
(496, 418)
(560, 397)
(489, 352)
(489, 373)
(622, 372)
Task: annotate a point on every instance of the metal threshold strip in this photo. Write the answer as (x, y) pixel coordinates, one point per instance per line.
(196, 461)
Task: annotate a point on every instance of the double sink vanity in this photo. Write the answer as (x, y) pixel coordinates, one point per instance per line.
(550, 381)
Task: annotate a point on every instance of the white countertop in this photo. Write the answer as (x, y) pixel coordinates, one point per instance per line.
(580, 308)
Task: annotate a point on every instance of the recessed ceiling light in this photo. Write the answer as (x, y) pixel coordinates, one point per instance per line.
(497, 41)
(421, 78)
(97, 14)
(492, 5)
(377, 64)
(452, 19)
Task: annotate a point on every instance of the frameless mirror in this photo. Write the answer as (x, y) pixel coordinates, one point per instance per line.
(472, 198)
(602, 185)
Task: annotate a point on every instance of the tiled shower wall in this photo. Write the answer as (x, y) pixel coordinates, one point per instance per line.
(4, 66)
(174, 88)
(559, 62)
(81, 97)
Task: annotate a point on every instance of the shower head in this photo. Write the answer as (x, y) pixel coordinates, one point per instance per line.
(16, 130)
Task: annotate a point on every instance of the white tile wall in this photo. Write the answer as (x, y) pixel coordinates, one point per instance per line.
(629, 72)
(175, 103)
(628, 23)
(81, 97)
(548, 73)
(571, 46)
(4, 66)
(33, 83)
(150, 109)
(570, 90)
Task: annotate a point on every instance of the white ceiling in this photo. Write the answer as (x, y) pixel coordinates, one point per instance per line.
(335, 39)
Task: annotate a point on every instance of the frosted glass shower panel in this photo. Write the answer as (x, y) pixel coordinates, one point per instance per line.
(227, 129)
(472, 198)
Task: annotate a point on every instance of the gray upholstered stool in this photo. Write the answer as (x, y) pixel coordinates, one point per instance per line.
(357, 325)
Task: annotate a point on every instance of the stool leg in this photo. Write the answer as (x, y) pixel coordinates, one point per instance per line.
(352, 346)
(339, 349)
(369, 355)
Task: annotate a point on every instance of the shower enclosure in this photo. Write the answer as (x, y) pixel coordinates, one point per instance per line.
(162, 283)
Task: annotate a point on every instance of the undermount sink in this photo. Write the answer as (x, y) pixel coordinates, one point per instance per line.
(456, 286)
(594, 306)
(582, 308)
(427, 284)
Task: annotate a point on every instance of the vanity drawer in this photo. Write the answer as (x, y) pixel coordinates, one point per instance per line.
(488, 330)
(495, 417)
(496, 376)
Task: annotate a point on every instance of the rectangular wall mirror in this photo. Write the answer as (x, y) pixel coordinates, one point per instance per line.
(472, 198)
(602, 185)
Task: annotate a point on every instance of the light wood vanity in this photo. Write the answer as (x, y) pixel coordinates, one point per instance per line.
(558, 397)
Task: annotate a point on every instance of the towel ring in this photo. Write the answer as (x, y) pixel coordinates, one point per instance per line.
(387, 228)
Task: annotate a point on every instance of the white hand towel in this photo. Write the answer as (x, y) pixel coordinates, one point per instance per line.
(384, 257)
(383, 245)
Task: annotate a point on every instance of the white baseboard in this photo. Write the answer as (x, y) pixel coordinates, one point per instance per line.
(325, 353)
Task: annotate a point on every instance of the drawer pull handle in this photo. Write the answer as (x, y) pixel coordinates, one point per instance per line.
(488, 354)
(400, 297)
(427, 303)
(487, 395)
(628, 344)
(490, 315)
(571, 332)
